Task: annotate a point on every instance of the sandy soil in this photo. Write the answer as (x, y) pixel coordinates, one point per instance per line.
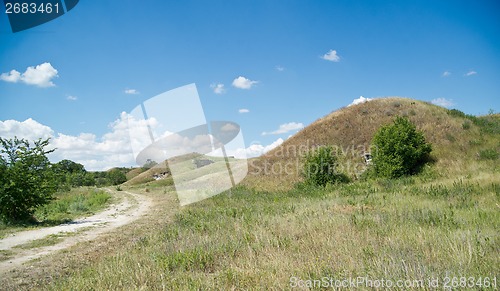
(131, 207)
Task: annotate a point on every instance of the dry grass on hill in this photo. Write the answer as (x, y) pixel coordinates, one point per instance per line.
(455, 140)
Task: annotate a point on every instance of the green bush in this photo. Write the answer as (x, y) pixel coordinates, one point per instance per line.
(27, 179)
(116, 177)
(320, 167)
(400, 149)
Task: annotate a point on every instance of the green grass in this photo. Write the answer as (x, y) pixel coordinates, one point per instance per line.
(442, 223)
(70, 205)
(411, 228)
(65, 207)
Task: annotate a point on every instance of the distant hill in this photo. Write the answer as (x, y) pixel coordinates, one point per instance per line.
(457, 139)
(160, 174)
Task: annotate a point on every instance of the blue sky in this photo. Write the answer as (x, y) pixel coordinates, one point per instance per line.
(446, 51)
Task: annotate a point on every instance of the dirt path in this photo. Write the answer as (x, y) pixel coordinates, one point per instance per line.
(131, 207)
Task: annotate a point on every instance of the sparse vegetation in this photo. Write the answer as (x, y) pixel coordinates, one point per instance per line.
(69, 205)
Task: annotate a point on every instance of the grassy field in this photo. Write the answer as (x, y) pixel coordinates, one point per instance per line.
(414, 228)
(65, 207)
(274, 232)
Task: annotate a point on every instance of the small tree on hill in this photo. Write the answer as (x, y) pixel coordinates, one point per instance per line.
(116, 177)
(400, 149)
(320, 167)
(26, 178)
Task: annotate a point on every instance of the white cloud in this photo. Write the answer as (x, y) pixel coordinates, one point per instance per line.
(40, 76)
(243, 83)
(28, 129)
(331, 56)
(229, 127)
(254, 150)
(243, 110)
(72, 98)
(470, 73)
(287, 127)
(446, 74)
(280, 68)
(257, 149)
(218, 88)
(12, 76)
(443, 102)
(131, 91)
(359, 100)
(111, 150)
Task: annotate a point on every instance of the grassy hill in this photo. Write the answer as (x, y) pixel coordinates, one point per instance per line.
(270, 233)
(457, 140)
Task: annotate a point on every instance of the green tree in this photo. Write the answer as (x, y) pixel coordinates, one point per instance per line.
(70, 174)
(399, 149)
(27, 180)
(116, 177)
(320, 167)
(149, 164)
(68, 166)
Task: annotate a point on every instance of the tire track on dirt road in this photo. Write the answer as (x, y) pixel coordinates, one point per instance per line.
(131, 207)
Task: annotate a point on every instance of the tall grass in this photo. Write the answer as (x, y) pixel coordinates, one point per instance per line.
(248, 239)
(70, 205)
(65, 207)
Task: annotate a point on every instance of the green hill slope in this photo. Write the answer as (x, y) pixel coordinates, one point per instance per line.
(458, 140)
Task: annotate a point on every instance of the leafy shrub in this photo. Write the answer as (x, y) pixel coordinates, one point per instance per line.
(320, 167)
(456, 113)
(116, 177)
(27, 179)
(400, 149)
(466, 125)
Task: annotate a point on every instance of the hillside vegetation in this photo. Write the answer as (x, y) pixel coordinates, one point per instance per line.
(272, 232)
(457, 140)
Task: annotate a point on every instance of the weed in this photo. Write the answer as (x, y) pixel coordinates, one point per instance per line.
(197, 259)
(450, 137)
(488, 154)
(73, 204)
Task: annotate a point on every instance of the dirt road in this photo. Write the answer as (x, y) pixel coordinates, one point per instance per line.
(131, 207)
